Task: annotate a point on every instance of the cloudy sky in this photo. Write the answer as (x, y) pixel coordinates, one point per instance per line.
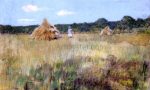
(29, 12)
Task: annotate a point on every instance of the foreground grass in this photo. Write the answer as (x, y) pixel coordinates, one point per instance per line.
(23, 59)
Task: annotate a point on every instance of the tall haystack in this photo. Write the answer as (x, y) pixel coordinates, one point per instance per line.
(45, 31)
(106, 31)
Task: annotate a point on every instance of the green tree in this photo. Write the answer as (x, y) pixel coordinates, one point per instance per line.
(147, 20)
(140, 22)
(101, 23)
(128, 22)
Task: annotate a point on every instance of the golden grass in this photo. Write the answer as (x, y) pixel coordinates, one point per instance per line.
(22, 53)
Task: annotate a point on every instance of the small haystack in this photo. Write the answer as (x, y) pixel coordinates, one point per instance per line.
(45, 31)
(106, 31)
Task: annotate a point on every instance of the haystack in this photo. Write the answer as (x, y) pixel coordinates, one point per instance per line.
(106, 31)
(45, 31)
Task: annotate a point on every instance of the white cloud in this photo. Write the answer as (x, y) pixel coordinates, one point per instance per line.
(26, 20)
(65, 13)
(30, 8)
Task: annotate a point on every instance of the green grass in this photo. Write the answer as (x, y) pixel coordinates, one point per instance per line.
(145, 31)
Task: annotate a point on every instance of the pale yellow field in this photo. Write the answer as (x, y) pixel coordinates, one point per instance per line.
(19, 53)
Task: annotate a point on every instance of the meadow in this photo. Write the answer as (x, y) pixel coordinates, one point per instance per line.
(84, 62)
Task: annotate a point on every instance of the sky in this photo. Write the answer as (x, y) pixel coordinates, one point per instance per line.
(32, 12)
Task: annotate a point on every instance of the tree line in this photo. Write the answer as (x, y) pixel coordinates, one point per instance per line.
(126, 23)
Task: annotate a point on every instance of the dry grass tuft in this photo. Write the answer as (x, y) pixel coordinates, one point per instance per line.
(45, 31)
